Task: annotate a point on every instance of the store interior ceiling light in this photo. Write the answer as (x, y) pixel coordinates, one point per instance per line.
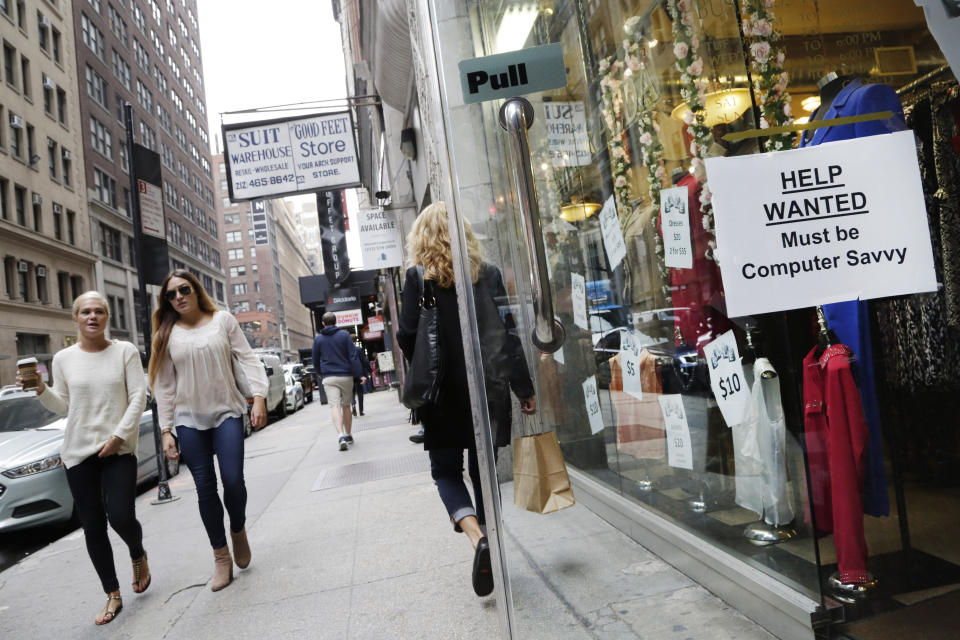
(652, 43)
(810, 103)
(515, 26)
(579, 211)
(719, 106)
(802, 120)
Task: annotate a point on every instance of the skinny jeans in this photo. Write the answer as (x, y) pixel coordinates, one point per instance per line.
(197, 449)
(446, 468)
(104, 490)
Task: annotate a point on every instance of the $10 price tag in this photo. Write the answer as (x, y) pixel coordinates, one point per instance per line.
(679, 453)
(726, 378)
(592, 401)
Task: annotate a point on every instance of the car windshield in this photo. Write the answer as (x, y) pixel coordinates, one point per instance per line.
(23, 412)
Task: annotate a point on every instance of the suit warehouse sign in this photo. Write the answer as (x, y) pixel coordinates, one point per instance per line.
(840, 221)
(284, 157)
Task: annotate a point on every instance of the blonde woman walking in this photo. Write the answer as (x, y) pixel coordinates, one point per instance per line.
(98, 384)
(199, 403)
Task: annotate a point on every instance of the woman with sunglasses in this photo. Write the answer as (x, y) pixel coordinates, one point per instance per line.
(199, 403)
(98, 385)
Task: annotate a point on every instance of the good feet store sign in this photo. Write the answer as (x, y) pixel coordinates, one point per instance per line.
(840, 221)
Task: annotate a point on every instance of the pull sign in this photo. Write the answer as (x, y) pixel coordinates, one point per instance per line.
(513, 74)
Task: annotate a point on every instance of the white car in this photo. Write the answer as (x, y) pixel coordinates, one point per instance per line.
(33, 481)
(292, 393)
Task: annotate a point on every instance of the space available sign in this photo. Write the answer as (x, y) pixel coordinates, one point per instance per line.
(567, 137)
(274, 158)
(380, 241)
(840, 221)
(333, 236)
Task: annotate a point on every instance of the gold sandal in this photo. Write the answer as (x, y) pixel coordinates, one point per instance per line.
(107, 614)
(140, 571)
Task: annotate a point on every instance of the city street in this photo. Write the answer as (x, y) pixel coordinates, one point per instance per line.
(371, 556)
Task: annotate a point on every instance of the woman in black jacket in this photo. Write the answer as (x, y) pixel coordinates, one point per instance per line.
(448, 424)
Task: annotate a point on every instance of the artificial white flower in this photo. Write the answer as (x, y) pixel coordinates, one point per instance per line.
(680, 50)
(760, 51)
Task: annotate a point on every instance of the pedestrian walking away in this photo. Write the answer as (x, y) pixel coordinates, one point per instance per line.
(336, 361)
(98, 384)
(448, 425)
(201, 406)
(361, 382)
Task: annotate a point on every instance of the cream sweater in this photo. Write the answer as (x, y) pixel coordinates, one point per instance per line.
(103, 394)
(195, 386)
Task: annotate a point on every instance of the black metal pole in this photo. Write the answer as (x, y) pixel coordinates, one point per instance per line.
(143, 318)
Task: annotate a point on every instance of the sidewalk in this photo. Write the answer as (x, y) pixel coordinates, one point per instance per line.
(365, 558)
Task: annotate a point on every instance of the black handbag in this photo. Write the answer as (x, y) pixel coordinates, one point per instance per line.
(422, 383)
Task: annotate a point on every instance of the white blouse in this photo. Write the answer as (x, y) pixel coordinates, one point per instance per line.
(195, 386)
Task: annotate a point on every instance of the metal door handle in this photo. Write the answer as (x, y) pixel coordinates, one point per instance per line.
(516, 116)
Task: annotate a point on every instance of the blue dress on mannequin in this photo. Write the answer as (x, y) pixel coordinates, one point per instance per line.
(850, 320)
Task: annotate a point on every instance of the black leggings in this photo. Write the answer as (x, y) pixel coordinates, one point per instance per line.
(105, 488)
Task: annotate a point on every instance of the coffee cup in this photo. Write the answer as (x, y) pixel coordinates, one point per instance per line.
(29, 373)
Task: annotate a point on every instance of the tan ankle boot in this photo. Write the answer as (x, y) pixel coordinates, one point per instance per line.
(241, 548)
(222, 568)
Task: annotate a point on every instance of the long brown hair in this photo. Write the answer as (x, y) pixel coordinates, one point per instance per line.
(165, 316)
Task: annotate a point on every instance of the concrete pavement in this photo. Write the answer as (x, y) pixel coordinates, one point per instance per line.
(363, 558)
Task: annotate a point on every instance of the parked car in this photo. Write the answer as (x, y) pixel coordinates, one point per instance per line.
(305, 378)
(33, 481)
(276, 395)
(293, 393)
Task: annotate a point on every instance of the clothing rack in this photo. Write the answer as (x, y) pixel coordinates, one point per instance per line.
(922, 80)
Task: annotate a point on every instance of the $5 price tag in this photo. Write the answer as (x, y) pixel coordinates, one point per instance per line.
(726, 378)
(630, 364)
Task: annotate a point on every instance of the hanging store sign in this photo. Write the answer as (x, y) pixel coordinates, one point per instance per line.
(835, 222)
(287, 156)
(258, 213)
(591, 400)
(726, 378)
(350, 317)
(567, 137)
(516, 73)
(331, 212)
(679, 451)
(380, 241)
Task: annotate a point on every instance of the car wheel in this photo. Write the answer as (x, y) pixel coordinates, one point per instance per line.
(282, 408)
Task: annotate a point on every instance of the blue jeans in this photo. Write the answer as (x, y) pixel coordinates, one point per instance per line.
(446, 467)
(197, 449)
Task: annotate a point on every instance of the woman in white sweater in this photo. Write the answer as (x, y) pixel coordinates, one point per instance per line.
(98, 384)
(199, 402)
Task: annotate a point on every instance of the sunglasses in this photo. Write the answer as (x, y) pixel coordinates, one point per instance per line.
(184, 290)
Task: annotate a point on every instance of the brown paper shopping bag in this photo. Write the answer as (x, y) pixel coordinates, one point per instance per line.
(540, 481)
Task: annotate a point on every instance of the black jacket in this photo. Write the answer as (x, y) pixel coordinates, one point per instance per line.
(449, 423)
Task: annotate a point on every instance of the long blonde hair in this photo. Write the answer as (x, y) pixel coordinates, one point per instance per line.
(165, 316)
(428, 244)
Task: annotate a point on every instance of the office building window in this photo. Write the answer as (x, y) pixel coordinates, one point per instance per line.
(100, 138)
(233, 236)
(67, 164)
(121, 70)
(106, 187)
(110, 243)
(91, 36)
(96, 87)
(239, 288)
(236, 272)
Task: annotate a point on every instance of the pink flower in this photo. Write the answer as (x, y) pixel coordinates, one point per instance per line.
(687, 19)
(787, 110)
(661, 174)
(760, 51)
(696, 67)
(762, 28)
(768, 3)
(618, 151)
(646, 138)
(747, 27)
(682, 5)
(694, 42)
(633, 62)
(705, 194)
(780, 57)
(620, 182)
(681, 49)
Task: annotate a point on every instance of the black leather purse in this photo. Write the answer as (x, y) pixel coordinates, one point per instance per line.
(424, 375)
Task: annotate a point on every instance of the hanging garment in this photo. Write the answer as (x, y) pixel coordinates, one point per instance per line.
(836, 435)
(850, 320)
(640, 428)
(759, 449)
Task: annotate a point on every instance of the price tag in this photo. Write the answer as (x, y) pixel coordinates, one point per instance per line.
(675, 227)
(630, 364)
(679, 452)
(592, 400)
(612, 233)
(578, 295)
(726, 378)
(558, 355)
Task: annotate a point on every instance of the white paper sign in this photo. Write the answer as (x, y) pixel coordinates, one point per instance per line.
(630, 365)
(679, 452)
(726, 378)
(578, 297)
(151, 209)
(675, 227)
(592, 400)
(350, 317)
(612, 233)
(380, 241)
(834, 222)
(385, 361)
(279, 157)
(567, 137)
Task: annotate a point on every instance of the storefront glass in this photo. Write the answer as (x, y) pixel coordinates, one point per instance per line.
(710, 421)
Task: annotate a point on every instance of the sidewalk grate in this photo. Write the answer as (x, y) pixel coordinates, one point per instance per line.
(372, 470)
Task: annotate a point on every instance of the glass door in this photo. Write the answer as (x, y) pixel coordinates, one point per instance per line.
(589, 199)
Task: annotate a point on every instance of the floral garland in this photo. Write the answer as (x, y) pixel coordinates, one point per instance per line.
(612, 72)
(693, 88)
(766, 62)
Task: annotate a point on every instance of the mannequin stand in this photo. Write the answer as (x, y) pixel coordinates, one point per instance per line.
(851, 592)
(763, 534)
(646, 484)
(698, 504)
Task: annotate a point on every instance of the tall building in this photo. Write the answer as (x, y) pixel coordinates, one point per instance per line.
(44, 229)
(304, 211)
(263, 272)
(147, 53)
